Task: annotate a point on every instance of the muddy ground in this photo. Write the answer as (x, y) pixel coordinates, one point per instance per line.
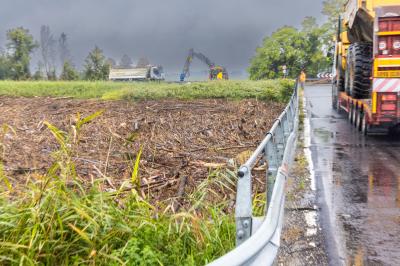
(302, 241)
(178, 138)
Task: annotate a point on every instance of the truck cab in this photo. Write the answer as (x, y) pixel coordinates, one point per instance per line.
(156, 73)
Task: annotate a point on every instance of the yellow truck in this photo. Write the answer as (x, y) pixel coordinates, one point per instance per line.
(366, 83)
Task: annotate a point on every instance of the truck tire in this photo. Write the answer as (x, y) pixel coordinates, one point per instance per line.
(359, 120)
(347, 72)
(364, 125)
(359, 70)
(354, 116)
(350, 114)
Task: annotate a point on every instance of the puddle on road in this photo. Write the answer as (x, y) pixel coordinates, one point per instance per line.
(323, 135)
(367, 182)
(307, 145)
(360, 182)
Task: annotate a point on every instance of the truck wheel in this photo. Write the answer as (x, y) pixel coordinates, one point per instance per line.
(359, 120)
(338, 107)
(364, 125)
(359, 70)
(350, 114)
(354, 116)
(347, 73)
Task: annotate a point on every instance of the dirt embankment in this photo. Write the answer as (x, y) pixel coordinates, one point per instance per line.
(178, 138)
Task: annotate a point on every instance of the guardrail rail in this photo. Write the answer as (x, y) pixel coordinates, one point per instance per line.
(258, 238)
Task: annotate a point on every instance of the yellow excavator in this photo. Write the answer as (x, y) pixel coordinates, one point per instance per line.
(366, 70)
(215, 72)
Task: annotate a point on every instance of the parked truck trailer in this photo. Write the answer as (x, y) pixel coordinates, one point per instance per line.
(366, 83)
(149, 73)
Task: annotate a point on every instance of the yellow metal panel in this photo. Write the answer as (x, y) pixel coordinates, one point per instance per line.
(387, 74)
(344, 38)
(388, 33)
(371, 4)
(343, 52)
(387, 62)
(374, 102)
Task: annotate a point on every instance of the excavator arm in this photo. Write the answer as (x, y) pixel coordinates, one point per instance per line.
(189, 59)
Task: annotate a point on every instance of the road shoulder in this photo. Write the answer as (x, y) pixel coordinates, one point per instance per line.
(302, 236)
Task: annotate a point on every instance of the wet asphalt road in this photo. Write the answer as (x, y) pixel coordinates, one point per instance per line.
(358, 186)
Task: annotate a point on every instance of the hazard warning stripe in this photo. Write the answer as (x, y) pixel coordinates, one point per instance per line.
(380, 83)
(386, 85)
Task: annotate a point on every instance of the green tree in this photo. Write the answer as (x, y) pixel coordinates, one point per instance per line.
(48, 49)
(311, 48)
(318, 48)
(125, 62)
(309, 24)
(143, 62)
(20, 46)
(63, 49)
(5, 67)
(332, 9)
(287, 46)
(69, 72)
(38, 75)
(111, 62)
(96, 66)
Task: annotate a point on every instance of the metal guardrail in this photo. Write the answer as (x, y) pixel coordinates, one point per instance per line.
(258, 238)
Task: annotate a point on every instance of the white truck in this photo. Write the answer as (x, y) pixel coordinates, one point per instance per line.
(150, 73)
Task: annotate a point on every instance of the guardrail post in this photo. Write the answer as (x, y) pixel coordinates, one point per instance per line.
(244, 209)
(286, 125)
(290, 115)
(276, 147)
(280, 141)
(273, 165)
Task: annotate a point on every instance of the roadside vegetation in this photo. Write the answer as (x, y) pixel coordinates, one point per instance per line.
(309, 48)
(57, 218)
(274, 90)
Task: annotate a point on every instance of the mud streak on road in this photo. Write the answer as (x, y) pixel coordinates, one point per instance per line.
(358, 186)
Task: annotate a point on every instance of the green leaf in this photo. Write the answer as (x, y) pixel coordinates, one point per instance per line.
(87, 119)
(135, 173)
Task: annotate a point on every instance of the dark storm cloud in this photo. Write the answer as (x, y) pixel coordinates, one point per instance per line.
(228, 31)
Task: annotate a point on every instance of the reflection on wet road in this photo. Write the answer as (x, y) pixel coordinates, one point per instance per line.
(358, 186)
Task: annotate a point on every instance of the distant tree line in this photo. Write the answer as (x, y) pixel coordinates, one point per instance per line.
(55, 55)
(310, 48)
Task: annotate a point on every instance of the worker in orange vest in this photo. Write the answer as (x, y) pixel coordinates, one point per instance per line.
(302, 78)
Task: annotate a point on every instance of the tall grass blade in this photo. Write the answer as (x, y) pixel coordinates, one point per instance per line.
(135, 173)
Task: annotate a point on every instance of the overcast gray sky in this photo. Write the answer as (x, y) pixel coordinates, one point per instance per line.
(228, 31)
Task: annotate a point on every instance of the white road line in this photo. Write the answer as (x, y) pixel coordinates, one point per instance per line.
(307, 145)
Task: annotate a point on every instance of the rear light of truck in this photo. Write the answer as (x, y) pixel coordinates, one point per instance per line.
(389, 97)
(388, 107)
(388, 102)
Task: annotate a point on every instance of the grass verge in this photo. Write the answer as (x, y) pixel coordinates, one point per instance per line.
(275, 90)
(59, 219)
